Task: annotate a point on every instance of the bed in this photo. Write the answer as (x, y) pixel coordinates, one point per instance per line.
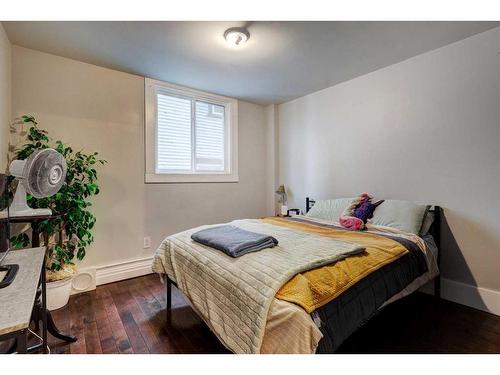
(308, 294)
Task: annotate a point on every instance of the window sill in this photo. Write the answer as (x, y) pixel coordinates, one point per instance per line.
(152, 178)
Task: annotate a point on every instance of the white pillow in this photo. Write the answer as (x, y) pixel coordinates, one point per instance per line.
(329, 209)
(402, 215)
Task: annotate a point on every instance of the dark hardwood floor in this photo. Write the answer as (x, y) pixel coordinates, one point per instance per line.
(129, 317)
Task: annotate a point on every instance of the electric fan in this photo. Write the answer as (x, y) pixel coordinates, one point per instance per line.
(42, 174)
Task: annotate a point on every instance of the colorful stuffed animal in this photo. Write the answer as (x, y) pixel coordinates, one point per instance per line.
(358, 212)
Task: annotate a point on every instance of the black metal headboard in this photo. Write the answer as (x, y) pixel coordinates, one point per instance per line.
(309, 203)
(435, 229)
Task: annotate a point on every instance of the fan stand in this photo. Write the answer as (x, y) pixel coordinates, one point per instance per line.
(19, 206)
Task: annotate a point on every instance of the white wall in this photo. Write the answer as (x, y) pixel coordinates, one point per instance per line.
(102, 110)
(5, 97)
(426, 129)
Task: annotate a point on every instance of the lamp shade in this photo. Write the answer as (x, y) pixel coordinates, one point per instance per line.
(281, 190)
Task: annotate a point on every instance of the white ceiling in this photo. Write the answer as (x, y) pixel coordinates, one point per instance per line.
(280, 62)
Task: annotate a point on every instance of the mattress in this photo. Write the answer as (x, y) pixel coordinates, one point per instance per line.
(290, 329)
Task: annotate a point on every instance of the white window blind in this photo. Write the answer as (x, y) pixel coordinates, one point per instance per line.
(173, 134)
(194, 135)
(187, 142)
(209, 140)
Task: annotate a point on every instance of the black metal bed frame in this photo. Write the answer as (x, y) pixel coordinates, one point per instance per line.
(435, 231)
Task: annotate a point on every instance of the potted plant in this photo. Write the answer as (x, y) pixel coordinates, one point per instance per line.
(70, 233)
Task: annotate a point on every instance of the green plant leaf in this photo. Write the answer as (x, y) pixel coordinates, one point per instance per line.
(71, 202)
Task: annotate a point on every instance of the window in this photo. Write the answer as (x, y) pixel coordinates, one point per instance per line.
(191, 136)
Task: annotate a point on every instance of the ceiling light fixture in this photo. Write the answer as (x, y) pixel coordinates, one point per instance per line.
(236, 36)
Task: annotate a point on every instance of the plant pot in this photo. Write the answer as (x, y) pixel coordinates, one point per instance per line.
(58, 293)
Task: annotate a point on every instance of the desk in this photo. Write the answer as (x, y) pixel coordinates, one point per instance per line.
(17, 300)
(39, 311)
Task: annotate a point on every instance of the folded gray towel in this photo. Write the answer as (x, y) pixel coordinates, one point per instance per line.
(232, 240)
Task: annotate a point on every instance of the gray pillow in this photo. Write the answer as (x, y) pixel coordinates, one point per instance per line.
(329, 209)
(402, 215)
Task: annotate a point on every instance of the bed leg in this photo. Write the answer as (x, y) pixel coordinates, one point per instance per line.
(437, 286)
(169, 294)
(168, 311)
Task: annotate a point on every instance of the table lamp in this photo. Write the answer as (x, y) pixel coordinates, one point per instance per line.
(282, 199)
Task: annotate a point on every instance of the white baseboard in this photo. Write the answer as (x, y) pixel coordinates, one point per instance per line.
(121, 271)
(470, 295)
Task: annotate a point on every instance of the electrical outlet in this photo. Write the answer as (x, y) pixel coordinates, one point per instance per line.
(147, 242)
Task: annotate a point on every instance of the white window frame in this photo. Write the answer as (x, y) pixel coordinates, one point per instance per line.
(230, 174)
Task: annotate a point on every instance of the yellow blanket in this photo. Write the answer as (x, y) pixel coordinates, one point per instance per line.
(317, 287)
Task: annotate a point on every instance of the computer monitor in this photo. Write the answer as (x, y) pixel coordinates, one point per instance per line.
(7, 271)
